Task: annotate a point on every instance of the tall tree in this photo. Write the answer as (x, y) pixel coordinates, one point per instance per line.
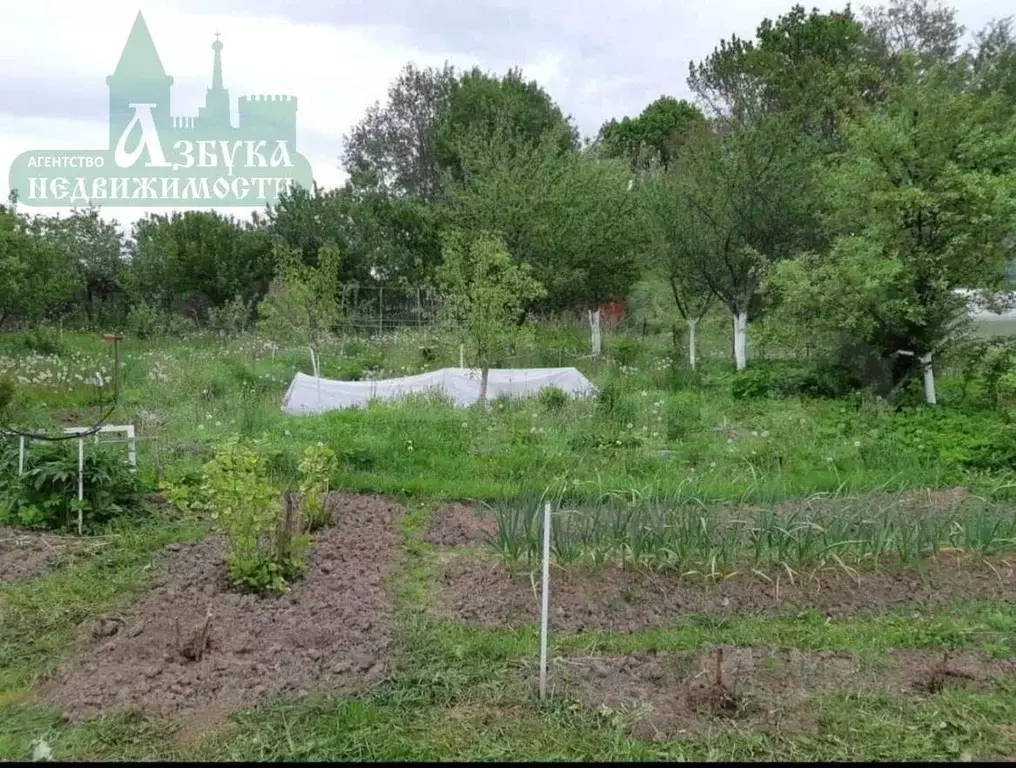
(37, 278)
(96, 248)
(807, 67)
(191, 261)
(905, 34)
(652, 138)
(921, 203)
(392, 148)
(385, 239)
(480, 106)
(680, 247)
(572, 219)
(745, 202)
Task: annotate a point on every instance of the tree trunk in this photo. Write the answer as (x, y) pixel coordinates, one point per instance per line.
(484, 375)
(692, 325)
(741, 340)
(594, 324)
(929, 380)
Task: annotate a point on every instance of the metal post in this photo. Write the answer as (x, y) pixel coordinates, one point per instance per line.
(419, 310)
(21, 455)
(81, 484)
(132, 446)
(545, 608)
(381, 310)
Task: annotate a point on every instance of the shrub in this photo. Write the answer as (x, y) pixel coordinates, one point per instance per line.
(46, 495)
(232, 318)
(265, 550)
(8, 389)
(316, 469)
(553, 399)
(751, 384)
(625, 351)
(43, 340)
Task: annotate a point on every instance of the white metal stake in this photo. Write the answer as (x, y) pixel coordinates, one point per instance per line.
(81, 485)
(545, 609)
(21, 455)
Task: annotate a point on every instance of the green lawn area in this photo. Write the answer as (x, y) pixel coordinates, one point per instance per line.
(727, 499)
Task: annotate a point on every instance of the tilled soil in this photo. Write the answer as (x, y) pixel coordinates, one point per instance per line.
(672, 695)
(486, 594)
(25, 553)
(331, 631)
(458, 524)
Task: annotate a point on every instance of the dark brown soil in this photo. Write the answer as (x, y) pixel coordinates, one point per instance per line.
(670, 695)
(486, 594)
(456, 525)
(331, 631)
(25, 553)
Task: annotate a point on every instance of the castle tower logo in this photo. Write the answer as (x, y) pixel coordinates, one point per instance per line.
(157, 160)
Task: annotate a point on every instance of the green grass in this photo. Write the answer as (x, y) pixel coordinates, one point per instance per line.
(465, 693)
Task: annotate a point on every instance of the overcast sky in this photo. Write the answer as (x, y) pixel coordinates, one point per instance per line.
(598, 59)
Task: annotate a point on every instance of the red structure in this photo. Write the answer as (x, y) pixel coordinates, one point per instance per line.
(613, 312)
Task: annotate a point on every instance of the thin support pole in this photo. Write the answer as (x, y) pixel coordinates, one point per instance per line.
(21, 455)
(381, 310)
(81, 485)
(545, 608)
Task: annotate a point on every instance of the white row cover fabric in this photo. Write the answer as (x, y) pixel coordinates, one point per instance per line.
(308, 394)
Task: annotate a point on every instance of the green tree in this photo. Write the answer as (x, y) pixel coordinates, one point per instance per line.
(810, 68)
(485, 293)
(384, 238)
(652, 138)
(392, 149)
(570, 218)
(921, 202)
(96, 248)
(302, 302)
(482, 106)
(189, 262)
(37, 277)
(680, 246)
(742, 200)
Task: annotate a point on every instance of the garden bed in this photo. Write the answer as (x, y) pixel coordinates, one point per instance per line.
(25, 553)
(459, 524)
(777, 691)
(487, 594)
(331, 631)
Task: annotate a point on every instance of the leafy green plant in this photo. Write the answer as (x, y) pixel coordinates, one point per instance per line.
(751, 384)
(8, 389)
(265, 551)
(553, 399)
(232, 318)
(625, 351)
(316, 469)
(43, 340)
(46, 495)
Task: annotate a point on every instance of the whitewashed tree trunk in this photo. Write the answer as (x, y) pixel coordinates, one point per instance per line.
(929, 380)
(597, 340)
(484, 375)
(741, 340)
(692, 328)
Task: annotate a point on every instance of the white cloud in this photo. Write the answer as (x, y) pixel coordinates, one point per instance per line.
(597, 59)
(335, 73)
